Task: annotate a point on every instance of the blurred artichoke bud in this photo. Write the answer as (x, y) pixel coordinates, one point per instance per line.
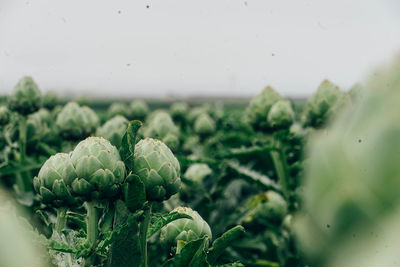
(138, 110)
(161, 126)
(99, 169)
(172, 141)
(259, 107)
(179, 110)
(185, 229)
(114, 129)
(352, 181)
(82, 100)
(50, 182)
(158, 168)
(45, 115)
(34, 126)
(118, 109)
(74, 122)
(197, 172)
(323, 104)
(281, 115)
(194, 113)
(50, 100)
(25, 97)
(204, 125)
(4, 115)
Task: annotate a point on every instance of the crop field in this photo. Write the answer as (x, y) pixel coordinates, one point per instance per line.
(267, 181)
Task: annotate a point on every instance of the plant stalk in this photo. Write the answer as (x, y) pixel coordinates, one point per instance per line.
(92, 230)
(279, 161)
(61, 219)
(144, 226)
(26, 183)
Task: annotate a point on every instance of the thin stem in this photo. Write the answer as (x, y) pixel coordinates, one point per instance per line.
(61, 219)
(92, 230)
(144, 226)
(26, 184)
(279, 161)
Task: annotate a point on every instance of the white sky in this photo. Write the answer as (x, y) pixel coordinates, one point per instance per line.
(188, 47)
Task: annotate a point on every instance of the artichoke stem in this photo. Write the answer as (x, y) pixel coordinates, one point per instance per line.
(144, 226)
(279, 161)
(92, 223)
(26, 184)
(61, 219)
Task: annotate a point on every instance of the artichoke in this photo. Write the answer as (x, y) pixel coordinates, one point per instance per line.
(179, 110)
(161, 126)
(158, 168)
(257, 111)
(204, 125)
(351, 200)
(197, 172)
(45, 116)
(99, 169)
(74, 122)
(281, 115)
(185, 229)
(25, 97)
(118, 109)
(50, 100)
(50, 182)
(323, 104)
(35, 127)
(138, 110)
(114, 129)
(4, 115)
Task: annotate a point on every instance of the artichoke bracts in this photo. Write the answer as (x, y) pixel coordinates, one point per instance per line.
(114, 129)
(99, 169)
(118, 109)
(25, 97)
(161, 126)
(158, 168)
(204, 125)
(185, 229)
(281, 115)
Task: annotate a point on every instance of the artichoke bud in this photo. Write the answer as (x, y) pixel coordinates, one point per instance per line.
(118, 109)
(185, 229)
(114, 130)
(197, 172)
(4, 115)
(98, 167)
(138, 110)
(281, 115)
(179, 110)
(158, 168)
(25, 97)
(50, 100)
(257, 111)
(161, 126)
(204, 125)
(270, 207)
(172, 141)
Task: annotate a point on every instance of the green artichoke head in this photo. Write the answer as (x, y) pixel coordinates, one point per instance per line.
(35, 126)
(50, 183)
(257, 111)
(4, 115)
(25, 97)
(158, 168)
(113, 130)
(98, 167)
(50, 99)
(197, 172)
(281, 115)
(118, 109)
(161, 126)
(138, 110)
(45, 115)
(204, 125)
(75, 122)
(179, 110)
(185, 229)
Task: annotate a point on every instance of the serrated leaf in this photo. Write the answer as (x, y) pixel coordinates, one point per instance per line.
(61, 247)
(128, 143)
(192, 254)
(159, 222)
(134, 192)
(221, 243)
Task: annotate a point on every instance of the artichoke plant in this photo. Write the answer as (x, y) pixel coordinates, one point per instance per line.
(113, 130)
(50, 100)
(351, 200)
(257, 111)
(158, 168)
(161, 126)
(74, 122)
(25, 97)
(118, 109)
(138, 110)
(281, 115)
(204, 125)
(4, 115)
(99, 169)
(323, 104)
(50, 182)
(185, 229)
(197, 172)
(179, 110)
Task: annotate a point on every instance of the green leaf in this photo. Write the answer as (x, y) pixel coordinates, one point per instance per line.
(134, 192)
(61, 247)
(128, 143)
(125, 249)
(192, 254)
(161, 221)
(221, 243)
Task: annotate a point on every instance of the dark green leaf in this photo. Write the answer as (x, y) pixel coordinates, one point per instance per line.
(128, 143)
(134, 192)
(159, 222)
(192, 254)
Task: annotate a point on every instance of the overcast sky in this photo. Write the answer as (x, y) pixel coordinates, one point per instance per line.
(204, 47)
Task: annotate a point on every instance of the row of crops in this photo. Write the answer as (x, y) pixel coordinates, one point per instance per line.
(273, 184)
